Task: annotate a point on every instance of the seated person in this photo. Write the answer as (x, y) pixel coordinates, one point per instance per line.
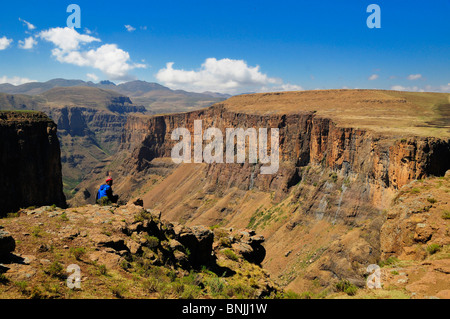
(105, 193)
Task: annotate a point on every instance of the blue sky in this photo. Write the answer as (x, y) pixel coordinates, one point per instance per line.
(230, 46)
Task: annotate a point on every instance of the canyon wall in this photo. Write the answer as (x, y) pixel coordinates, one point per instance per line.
(30, 163)
(382, 162)
(88, 136)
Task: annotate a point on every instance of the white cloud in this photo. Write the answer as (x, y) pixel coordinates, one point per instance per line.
(445, 88)
(66, 39)
(5, 42)
(407, 88)
(15, 80)
(108, 58)
(225, 76)
(28, 43)
(373, 77)
(414, 76)
(290, 87)
(130, 28)
(28, 24)
(92, 76)
(280, 88)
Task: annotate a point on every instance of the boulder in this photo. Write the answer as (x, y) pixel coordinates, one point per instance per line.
(137, 201)
(198, 240)
(254, 252)
(7, 244)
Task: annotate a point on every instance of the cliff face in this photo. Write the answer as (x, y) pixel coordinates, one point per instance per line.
(87, 136)
(30, 163)
(383, 163)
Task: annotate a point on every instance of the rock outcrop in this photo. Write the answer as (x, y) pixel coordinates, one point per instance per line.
(419, 218)
(136, 246)
(30, 163)
(7, 244)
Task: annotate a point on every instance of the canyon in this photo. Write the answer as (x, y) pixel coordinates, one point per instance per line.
(91, 117)
(344, 157)
(362, 180)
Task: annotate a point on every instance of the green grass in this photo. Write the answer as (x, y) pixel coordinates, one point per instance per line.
(55, 270)
(3, 279)
(78, 252)
(36, 232)
(389, 262)
(152, 241)
(434, 248)
(230, 254)
(347, 287)
(446, 214)
(333, 177)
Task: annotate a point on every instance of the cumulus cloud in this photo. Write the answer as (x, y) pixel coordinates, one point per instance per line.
(66, 39)
(92, 76)
(290, 87)
(414, 76)
(28, 43)
(407, 88)
(130, 28)
(280, 88)
(28, 24)
(15, 80)
(108, 58)
(5, 43)
(445, 88)
(373, 77)
(225, 76)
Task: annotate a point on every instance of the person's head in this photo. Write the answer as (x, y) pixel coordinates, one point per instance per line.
(109, 181)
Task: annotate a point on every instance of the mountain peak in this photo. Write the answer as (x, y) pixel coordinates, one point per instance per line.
(106, 82)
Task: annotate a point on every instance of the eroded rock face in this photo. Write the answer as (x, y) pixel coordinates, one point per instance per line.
(416, 220)
(30, 163)
(382, 163)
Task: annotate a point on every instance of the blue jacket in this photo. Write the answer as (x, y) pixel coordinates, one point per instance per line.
(104, 191)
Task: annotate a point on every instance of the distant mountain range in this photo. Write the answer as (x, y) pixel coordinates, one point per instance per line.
(154, 97)
(91, 116)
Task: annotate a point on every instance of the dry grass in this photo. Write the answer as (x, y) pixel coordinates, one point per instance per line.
(423, 114)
